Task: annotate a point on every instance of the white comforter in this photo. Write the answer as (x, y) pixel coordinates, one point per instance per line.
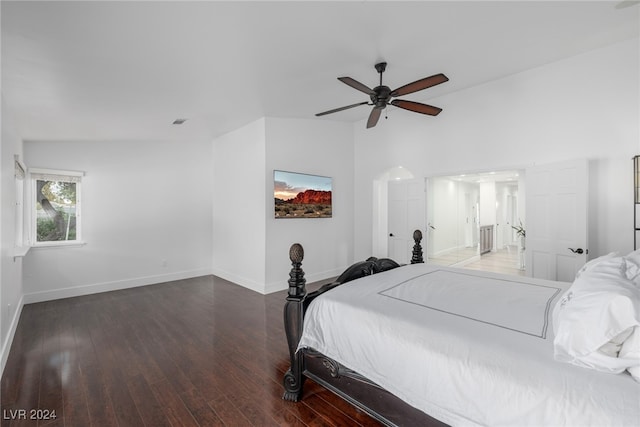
(468, 348)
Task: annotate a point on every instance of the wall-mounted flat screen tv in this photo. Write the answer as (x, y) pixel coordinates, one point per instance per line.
(300, 195)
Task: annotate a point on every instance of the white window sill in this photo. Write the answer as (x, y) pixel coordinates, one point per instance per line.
(20, 251)
(57, 244)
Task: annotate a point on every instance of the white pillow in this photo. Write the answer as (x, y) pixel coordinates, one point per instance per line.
(634, 256)
(596, 317)
(589, 265)
(630, 351)
(613, 347)
(632, 263)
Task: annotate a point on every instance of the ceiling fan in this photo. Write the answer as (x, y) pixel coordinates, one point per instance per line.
(381, 96)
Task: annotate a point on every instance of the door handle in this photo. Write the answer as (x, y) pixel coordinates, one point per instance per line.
(576, 251)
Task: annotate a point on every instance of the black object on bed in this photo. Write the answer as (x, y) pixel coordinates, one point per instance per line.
(346, 383)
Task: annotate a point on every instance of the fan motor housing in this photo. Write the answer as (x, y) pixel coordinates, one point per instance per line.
(380, 96)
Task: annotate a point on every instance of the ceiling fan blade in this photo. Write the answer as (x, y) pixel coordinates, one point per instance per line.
(416, 107)
(335, 110)
(373, 117)
(356, 85)
(427, 82)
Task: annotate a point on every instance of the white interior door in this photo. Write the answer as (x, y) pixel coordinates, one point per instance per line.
(557, 222)
(406, 202)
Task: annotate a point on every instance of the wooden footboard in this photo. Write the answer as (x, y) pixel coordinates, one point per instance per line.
(297, 302)
(348, 384)
(363, 393)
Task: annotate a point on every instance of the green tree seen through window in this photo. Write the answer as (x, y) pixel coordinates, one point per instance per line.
(56, 210)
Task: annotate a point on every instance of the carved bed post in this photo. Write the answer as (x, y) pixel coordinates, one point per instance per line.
(417, 248)
(293, 319)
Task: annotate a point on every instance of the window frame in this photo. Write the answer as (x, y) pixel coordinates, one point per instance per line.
(21, 242)
(36, 174)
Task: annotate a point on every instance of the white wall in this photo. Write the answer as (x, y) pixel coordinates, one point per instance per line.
(239, 200)
(10, 268)
(317, 147)
(449, 215)
(157, 210)
(487, 203)
(445, 200)
(146, 216)
(250, 246)
(583, 106)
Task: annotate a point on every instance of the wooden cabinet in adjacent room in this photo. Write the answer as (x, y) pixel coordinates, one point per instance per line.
(486, 238)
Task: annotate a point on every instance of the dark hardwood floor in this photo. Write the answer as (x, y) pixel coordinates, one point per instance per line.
(197, 352)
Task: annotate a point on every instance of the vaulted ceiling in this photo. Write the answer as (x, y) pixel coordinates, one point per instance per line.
(127, 70)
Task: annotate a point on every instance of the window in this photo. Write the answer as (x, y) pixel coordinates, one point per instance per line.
(56, 207)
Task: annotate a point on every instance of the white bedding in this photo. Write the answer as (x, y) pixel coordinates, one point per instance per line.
(597, 321)
(470, 348)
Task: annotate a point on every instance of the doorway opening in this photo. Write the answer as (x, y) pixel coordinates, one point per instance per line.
(470, 219)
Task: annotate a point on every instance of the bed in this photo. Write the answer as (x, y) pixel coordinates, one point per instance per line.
(430, 345)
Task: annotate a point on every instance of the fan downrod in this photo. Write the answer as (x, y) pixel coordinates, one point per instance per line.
(380, 97)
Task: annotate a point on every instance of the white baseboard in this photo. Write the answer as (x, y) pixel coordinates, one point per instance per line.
(447, 251)
(6, 345)
(310, 278)
(466, 261)
(239, 280)
(269, 288)
(111, 286)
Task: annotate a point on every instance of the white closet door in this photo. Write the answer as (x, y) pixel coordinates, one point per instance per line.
(406, 201)
(557, 219)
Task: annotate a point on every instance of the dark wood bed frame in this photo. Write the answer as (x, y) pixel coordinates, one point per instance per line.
(346, 383)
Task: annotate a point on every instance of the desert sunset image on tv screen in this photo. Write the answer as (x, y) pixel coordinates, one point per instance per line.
(299, 195)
